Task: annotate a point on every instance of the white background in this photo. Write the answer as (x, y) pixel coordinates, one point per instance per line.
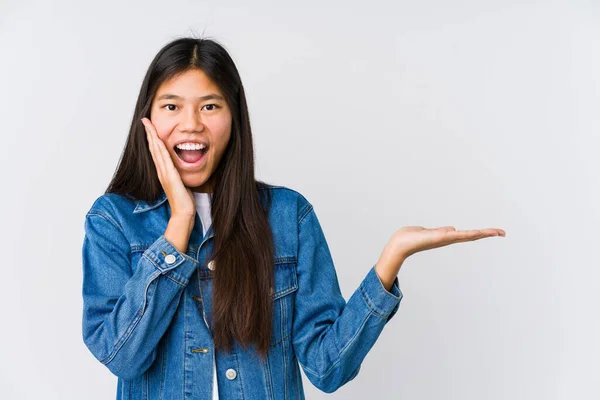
(474, 114)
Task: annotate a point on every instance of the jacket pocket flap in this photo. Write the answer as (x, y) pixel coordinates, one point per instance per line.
(286, 280)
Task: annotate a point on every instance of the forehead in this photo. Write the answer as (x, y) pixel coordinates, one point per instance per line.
(193, 82)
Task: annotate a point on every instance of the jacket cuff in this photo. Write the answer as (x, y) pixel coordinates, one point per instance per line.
(378, 299)
(170, 261)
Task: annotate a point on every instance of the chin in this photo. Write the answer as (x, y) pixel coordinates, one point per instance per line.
(194, 181)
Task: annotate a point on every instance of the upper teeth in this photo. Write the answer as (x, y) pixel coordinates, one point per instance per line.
(191, 146)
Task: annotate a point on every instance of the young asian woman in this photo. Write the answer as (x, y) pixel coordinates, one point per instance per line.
(201, 282)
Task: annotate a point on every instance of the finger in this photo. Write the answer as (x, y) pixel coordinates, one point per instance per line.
(160, 147)
(463, 234)
(472, 234)
(164, 152)
(150, 141)
(155, 140)
(485, 233)
(493, 232)
(154, 150)
(147, 134)
(168, 173)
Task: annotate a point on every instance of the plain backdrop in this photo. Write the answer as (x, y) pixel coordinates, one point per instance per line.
(474, 114)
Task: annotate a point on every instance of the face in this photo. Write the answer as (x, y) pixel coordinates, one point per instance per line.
(189, 108)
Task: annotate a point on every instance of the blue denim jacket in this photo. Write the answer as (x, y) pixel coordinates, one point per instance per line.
(147, 306)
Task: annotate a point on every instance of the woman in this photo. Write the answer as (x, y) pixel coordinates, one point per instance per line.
(201, 282)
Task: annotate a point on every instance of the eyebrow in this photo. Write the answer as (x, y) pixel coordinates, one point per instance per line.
(169, 96)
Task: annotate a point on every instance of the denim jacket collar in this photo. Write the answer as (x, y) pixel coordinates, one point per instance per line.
(142, 205)
(196, 237)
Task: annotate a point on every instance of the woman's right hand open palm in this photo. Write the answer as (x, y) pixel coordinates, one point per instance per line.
(181, 199)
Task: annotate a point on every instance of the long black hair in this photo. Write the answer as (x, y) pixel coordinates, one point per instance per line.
(243, 245)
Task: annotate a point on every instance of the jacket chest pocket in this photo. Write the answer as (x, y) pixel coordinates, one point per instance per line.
(286, 285)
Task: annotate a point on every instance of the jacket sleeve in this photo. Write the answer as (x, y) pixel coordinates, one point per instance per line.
(331, 337)
(127, 308)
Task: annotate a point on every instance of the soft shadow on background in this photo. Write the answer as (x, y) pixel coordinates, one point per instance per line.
(467, 113)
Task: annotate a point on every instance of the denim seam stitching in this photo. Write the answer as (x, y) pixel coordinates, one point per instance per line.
(106, 217)
(132, 325)
(237, 363)
(168, 275)
(281, 340)
(267, 376)
(341, 352)
(370, 304)
(283, 308)
(387, 292)
(122, 340)
(163, 355)
(304, 213)
(307, 369)
(364, 322)
(284, 292)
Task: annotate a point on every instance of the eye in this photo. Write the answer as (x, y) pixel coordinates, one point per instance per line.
(167, 105)
(215, 106)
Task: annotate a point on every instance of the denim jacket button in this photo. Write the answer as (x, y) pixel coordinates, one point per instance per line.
(230, 374)
(211, 266)
(170, 259)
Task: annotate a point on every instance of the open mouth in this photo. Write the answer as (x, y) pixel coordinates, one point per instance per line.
(190, 156)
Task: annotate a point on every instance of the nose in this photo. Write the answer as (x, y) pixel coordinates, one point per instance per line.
(190, 120)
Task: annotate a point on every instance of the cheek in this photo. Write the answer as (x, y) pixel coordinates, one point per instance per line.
(163, 129)
(223, 134)
(163, 135)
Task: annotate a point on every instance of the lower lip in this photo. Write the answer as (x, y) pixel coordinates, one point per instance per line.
(187, 165)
